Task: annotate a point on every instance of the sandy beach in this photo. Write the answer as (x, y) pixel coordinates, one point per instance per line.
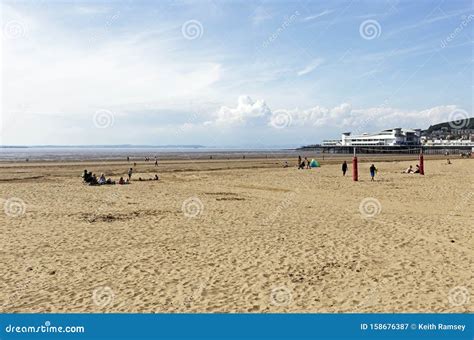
(237, 236)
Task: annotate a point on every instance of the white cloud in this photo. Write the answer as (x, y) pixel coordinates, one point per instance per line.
(315, 16)
(311, 66)
(247, 111)
(344, 117)
(339, 118)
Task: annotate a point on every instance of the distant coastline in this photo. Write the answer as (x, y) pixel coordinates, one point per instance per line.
(134, 152)
(118, 146)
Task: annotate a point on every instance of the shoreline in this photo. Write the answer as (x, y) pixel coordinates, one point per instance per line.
(263, 157)
(41, 170)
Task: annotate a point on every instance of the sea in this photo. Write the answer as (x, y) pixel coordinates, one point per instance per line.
(74, 153)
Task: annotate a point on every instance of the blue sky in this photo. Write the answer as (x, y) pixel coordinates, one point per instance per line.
(230, 73)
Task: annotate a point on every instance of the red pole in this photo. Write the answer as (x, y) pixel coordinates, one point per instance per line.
(355, 175)
(422, 166)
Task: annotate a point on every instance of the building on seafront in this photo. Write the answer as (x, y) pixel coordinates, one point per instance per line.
(389, 137)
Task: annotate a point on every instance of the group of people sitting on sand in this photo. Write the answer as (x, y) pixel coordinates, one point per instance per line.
(91, 179)
(410, 170)
(303, 163)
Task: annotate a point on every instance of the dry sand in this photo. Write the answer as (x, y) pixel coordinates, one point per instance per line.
(264, 238)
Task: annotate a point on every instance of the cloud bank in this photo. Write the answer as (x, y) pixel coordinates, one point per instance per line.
(250, 112)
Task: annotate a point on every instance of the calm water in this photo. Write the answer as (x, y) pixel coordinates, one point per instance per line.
(135, 153)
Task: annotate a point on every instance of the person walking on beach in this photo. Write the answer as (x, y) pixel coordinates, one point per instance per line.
(130, 173)
(344, 168)
(156, 161)
(373, 170)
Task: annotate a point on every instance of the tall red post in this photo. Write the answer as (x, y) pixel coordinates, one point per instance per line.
(422, 166)
(355, 173)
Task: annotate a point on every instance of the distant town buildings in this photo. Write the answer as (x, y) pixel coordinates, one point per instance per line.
(443, 134)
(457, 133)
(447, 142)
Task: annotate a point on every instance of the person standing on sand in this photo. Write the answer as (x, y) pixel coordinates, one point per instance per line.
(130, 173)
(344, 168)
(299, 162)
(156, 162)
(373, 170)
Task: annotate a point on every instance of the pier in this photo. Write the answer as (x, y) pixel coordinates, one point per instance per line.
(392, 149)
